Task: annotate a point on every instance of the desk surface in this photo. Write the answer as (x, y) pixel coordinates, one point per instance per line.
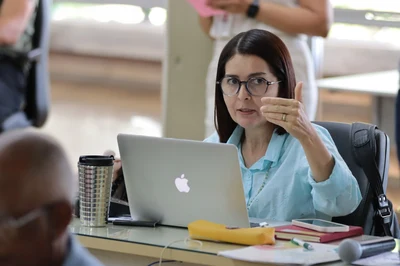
(384, 83)
(159, 237)
(150, 241)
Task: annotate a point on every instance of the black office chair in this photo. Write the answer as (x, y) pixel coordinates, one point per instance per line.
(364, 215)
(37, 100)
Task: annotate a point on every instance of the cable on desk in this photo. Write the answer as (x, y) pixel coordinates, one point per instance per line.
(186, 241)
(157, 262)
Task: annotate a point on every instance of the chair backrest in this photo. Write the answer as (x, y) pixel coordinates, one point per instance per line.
(38, 88)
(341, 135)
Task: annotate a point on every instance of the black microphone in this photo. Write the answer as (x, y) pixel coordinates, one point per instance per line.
(350, 250)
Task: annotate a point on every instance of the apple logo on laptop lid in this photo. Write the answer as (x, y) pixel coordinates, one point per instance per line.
(181, 184)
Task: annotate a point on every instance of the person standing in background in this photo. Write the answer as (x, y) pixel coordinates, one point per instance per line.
(16, 30)
(290, 20)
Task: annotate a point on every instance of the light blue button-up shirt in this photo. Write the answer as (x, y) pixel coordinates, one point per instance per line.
(280, 186)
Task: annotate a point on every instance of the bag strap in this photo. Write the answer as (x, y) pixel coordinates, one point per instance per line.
(364, 150)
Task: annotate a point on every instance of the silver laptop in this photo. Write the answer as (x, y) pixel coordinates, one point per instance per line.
(177, 181)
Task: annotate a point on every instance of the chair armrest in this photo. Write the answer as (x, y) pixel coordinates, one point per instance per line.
(34, 55)
(17, 120)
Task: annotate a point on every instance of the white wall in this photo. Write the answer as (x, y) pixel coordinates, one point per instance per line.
(342, 57)
(141, 41)
(147, 42)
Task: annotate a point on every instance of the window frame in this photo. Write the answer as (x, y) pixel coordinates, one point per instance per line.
(341, 15)
(141, 3)
(352, 16)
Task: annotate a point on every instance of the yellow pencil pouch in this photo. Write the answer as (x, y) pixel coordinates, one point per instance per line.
(205, 230)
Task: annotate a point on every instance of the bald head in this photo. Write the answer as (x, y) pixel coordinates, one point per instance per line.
(34, 170)
(35, 175)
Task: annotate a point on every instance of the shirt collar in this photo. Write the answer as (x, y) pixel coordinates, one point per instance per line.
(71, 250)
(274, 148)
(78, 255)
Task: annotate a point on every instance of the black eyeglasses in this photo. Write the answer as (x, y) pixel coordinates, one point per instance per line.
(254, 86)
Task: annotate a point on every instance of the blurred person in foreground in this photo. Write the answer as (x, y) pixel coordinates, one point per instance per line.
(37, 187)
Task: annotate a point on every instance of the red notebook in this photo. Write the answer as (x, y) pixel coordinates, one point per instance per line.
(287, 232)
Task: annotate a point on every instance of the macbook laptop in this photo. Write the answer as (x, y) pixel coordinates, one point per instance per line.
(176, 181)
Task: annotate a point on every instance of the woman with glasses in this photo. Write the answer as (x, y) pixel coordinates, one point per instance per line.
(290, 167)
(290, 20)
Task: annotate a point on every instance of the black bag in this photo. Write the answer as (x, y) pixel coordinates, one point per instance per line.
(118, 189)
(364, 150)
(119, 199)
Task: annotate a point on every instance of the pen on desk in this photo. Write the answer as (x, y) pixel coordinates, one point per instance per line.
(301, 243)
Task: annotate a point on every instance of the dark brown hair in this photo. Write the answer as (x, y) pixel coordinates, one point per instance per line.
(267, 46)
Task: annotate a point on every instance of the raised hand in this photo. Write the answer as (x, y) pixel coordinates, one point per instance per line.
(289, 114)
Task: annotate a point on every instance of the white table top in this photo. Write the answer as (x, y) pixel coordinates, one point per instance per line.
(385, 83)
(159, 237)
(162, 236)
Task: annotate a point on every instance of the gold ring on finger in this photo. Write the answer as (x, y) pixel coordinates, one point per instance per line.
(284, 117)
